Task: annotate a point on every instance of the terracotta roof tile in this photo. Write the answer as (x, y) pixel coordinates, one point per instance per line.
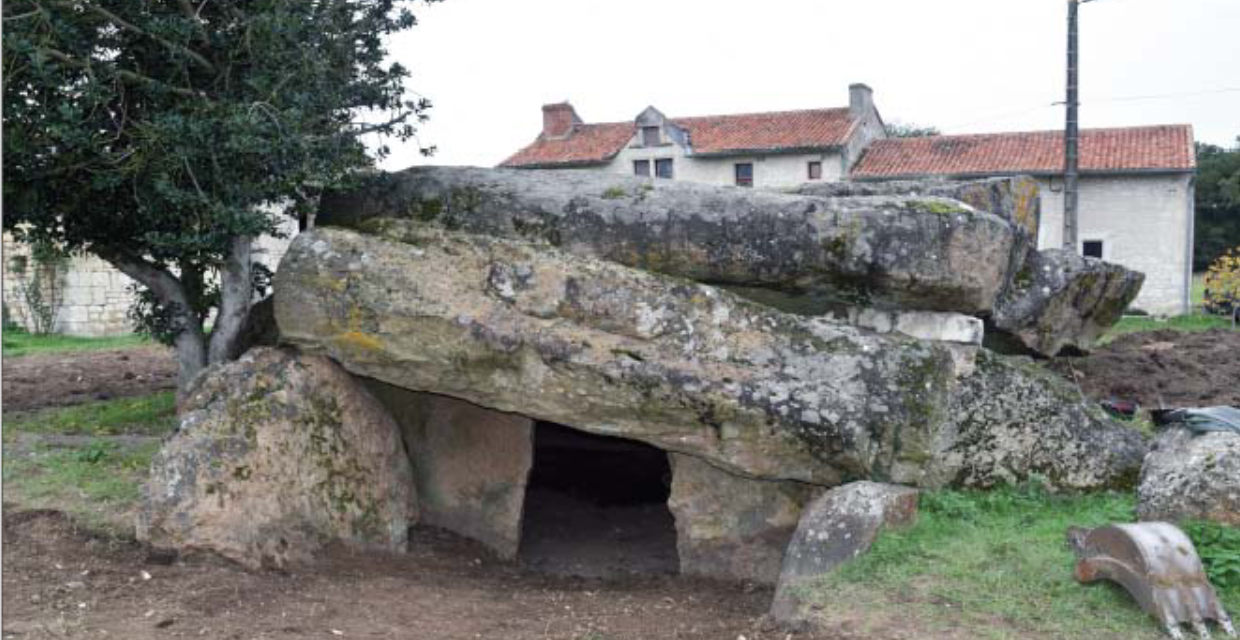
(1166, 147)
(771, 132)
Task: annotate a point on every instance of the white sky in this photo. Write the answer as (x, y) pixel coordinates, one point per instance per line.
(961, 65)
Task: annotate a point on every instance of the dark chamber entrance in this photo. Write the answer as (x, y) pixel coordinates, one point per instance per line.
(597, 506)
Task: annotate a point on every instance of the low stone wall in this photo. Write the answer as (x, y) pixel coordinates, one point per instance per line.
(95, 298)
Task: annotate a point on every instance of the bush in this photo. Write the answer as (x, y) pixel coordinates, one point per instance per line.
(1222, 284)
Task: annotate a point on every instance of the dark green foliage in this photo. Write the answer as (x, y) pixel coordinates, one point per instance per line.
(897, 129)
(157, 135)
(1217, 203)
(1219, 548)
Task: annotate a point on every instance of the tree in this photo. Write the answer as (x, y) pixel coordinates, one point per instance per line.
(897, 129)
(1217, 203)
(164, 136)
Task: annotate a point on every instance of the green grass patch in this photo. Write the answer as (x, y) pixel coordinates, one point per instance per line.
(997, 563)
(142, 415)
(1183, 324)
(98, 484)
(17, 344)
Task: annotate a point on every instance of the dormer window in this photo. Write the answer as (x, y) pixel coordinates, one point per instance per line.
(650, 137)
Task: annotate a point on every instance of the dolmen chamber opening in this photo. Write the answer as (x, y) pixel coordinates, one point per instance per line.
(540, 360)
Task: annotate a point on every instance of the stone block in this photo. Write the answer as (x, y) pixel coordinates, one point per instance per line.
(925, 325)
(471, 464)
(729, 527)
(837, 527)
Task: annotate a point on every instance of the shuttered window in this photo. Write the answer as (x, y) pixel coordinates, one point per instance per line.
(641, 168)
(744, 174)
(663, 168)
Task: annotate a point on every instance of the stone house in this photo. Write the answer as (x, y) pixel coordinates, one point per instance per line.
(1136, 188)
(1136, 192)
(775, 149)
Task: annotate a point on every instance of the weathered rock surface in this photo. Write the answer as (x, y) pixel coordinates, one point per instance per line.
(1014, 199)
(928, 253)
(729, 527)
(1187, 477)
(276, 455)
(691, 369)
(1013, 420)
(837, 527)
(471, 465)
(1061, 299)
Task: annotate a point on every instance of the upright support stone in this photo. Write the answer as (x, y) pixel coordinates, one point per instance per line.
(470, 464)
(837, 527)
(729, 527)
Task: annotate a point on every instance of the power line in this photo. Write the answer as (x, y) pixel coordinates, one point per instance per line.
(995, 117)
(1159, 96)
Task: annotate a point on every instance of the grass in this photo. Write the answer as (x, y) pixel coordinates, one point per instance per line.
(95, 478)
(140, 415)
(996, 563)
(98, 484)
(1191, 323)
(20, 343)
(1184, 324)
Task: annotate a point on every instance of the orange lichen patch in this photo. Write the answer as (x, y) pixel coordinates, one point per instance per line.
(359, 341)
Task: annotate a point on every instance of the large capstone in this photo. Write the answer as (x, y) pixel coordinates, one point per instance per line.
(524, 328)
(929, 253)
(278, 454)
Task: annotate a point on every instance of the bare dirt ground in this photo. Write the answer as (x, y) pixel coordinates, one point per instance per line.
(1162, 369)
(59, 582)
(61, 379)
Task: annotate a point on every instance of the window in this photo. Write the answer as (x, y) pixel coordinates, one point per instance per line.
(663, 168)
(641, 168)
(1092, 249)
(815, 170)
(650, 136)
(744, 174)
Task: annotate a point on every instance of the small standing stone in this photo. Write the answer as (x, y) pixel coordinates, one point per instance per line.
(837, 527)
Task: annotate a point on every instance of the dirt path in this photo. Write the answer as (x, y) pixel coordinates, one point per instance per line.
(60, 379)
(1162, 368)
(61, 583)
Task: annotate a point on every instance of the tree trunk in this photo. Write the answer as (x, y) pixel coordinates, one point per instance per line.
(236, 296)
(190, 343)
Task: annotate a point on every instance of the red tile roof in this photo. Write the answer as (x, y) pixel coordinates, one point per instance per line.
(769, 132)
(1166, 147)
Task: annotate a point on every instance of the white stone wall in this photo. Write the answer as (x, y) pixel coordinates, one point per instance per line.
(96, 297)
(770, 170)
(1144, 223)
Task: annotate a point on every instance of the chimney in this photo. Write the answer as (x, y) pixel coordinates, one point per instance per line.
(558, 120)
(860, 100)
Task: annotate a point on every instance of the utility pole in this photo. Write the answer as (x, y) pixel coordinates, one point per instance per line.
(1071, 137)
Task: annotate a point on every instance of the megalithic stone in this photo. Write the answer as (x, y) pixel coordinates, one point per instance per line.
(1014, 199)
(522, 328)
(900, 251)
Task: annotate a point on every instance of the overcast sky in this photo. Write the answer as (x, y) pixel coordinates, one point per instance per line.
(960, 65)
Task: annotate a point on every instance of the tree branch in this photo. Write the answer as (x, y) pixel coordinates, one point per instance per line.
(236, 293)
(125, 74)
(198, 58)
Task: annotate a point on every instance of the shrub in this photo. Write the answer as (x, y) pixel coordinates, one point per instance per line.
(39, 282)
(1222, 284)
